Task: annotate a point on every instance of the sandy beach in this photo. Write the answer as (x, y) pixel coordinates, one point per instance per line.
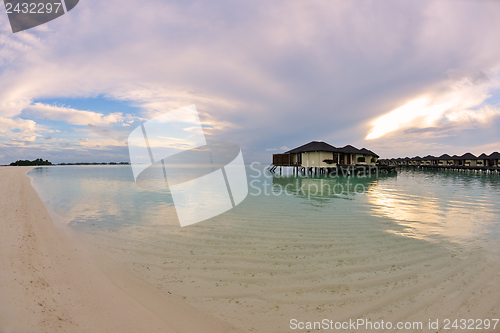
(51, 283)
(233, 274)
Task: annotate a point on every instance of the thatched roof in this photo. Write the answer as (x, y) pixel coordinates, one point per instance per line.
(483, 156)
(368, 152)
(350, 150)
(468, 156)
(444, 157)
(494, 156)
(312, 147)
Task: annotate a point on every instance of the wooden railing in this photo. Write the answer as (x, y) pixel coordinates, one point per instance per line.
(285, 160)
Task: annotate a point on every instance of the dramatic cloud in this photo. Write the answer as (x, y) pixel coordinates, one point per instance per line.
(426, 111)
(399, 78)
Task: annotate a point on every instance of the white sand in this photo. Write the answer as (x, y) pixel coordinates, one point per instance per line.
(258, 277)
(49, 283)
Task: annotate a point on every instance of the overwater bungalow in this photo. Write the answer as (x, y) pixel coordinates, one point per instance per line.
(482, 160)
(319, 154)
(456, 160)
(488, 161)
(429, 160)
(445, 159)
(417, 160)
(466, 162)
(468, 159)
(493, 159)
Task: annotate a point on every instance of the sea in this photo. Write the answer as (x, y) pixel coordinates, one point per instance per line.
(303, 246)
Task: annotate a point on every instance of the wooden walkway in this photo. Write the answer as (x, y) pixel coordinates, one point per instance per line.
(357, 169)
(345, 170)
(455, 168)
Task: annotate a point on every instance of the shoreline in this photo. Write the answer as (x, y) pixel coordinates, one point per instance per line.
(51, 281)
(239, 270)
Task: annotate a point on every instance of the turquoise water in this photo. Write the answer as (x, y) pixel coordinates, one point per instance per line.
(95, 197)
(413, 246)
(431, 205)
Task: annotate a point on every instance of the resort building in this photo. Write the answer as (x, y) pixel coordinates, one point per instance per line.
(482, 160)
(319, 154)
(429, 160)
(416, 160)
(468, 160)
(493, 159)
(445, 159)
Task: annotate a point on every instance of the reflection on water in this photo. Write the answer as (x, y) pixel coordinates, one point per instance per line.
(103, 197)
(322, 188)
(432, 206)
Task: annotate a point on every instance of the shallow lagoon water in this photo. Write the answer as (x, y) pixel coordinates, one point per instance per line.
(429, 204)
(408, 246)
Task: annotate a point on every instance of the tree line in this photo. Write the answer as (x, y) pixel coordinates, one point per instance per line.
(38, 161)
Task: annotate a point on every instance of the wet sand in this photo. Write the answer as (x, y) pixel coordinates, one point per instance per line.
(51, 283)
(259, 278)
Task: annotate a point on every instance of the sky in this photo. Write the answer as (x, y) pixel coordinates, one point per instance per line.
(401, 78)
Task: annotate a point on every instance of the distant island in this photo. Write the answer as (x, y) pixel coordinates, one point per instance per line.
(95, 163)
(38, 161)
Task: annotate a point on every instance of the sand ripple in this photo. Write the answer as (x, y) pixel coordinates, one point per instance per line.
(260, 275)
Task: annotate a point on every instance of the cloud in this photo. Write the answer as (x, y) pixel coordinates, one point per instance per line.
(482, 115)
(21, 130)
(8, 124)
(72, 116)
(282, 72)
(456, 105)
